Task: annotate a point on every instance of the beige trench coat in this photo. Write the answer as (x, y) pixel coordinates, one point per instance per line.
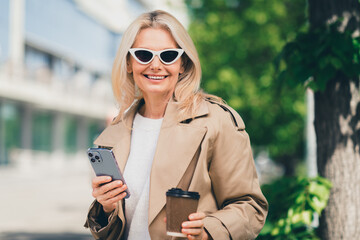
(225, 174)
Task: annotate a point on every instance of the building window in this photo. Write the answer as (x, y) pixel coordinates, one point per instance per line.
(38, 64)
(10, 130)
(70, 134)
(42, 129)
(95, 128)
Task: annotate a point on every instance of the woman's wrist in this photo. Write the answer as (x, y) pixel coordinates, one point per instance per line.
(107, 212)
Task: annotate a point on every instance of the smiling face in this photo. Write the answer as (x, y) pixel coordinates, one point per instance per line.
(155, 79)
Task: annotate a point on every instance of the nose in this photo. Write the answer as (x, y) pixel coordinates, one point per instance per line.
(155, 64)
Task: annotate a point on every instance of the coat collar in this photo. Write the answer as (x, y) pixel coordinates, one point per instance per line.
(111, 137)
(177, 144)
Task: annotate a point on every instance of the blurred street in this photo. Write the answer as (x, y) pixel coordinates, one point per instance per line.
(46, 201)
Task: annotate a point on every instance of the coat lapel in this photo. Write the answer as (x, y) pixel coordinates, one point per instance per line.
(177, 144)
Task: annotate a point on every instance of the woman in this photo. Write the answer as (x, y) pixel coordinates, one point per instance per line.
(164, 126)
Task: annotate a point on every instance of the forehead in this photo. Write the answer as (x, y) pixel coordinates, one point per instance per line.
(154, 39)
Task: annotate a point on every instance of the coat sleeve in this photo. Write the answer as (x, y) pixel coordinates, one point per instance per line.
(101, 227)
(242, 206)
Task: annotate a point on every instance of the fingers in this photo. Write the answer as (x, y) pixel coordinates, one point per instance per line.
(195, 220)
(98, 181)
(108, 192)
(111, 201)
(112, 190)
(109, 204)
(195, 227)
(197, 216)
(192, 231)
(102, 185)
(193, 224)
(104, 189)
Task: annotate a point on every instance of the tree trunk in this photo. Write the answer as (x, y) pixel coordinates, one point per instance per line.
(337, 114)
(337, 126)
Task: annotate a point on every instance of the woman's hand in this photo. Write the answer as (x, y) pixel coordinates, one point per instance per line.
(194, 229)
(108, 193)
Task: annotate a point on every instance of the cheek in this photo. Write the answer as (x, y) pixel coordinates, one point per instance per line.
(134, 67)
(176, 69)
(137, 68)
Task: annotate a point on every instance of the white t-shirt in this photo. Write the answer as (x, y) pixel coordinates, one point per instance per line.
(144, 136)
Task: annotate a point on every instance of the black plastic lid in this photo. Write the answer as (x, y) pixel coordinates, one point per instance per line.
(178, 192)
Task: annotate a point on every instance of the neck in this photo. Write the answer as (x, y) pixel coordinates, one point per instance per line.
(154, 107)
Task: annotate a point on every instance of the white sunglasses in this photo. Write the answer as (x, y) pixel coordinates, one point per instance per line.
(145, 56)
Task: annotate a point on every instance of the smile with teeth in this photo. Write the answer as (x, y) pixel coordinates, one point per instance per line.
(155, 77)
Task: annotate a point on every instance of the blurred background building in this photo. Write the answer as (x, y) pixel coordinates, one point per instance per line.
(55, 98)
(55, 65)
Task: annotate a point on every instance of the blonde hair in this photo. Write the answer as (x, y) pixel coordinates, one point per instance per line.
(187, 90)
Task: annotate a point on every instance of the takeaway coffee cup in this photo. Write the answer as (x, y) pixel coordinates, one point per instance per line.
(179, 205)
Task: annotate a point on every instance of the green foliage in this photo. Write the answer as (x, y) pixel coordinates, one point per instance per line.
(317, 56)
(237, 43)
(293, 203)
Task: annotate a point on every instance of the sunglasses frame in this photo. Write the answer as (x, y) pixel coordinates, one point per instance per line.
(156, 53)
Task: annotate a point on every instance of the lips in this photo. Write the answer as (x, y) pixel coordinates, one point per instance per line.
(155, 77)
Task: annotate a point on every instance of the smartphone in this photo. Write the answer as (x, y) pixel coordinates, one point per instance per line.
(104, 164)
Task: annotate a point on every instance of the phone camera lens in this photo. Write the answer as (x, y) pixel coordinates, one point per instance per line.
(97, 157)
(93, 159)
(90, 155)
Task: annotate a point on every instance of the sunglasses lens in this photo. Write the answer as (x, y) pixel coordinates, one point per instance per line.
(169, 56)
(143, 55)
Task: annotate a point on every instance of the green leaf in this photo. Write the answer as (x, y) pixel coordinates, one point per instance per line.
(336, 63)
(319, 190)
(323, 181)
(323, 76)
(300, 198)
(275, 231)
(307, 217)
(317, 205)
(321, 53)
